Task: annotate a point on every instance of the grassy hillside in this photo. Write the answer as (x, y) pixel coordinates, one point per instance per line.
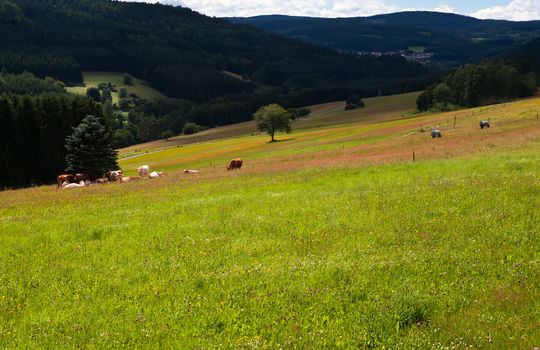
(332, 238)
(394, 138)
(377, 109)
(139, 87)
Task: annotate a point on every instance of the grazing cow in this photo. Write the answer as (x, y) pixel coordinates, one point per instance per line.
(484, 124)
(156, 174)
(188, 171)
(436, 133)
(235, 164)
(69, 178)
(144, 171)
(114, 175)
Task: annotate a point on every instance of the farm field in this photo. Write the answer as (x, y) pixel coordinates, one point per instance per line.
(331, 238)
(139, 87)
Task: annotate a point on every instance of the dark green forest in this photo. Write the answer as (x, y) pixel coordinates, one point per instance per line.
(478, 84)
(182, 53)
(454, 39)
(32, 135)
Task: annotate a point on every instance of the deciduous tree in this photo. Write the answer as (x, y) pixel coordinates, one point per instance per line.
(273, 118)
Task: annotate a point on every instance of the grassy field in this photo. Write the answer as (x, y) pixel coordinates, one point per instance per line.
(378, 109)
(332, 238)
(139, 87)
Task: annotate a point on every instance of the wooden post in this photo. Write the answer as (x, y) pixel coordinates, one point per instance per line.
(455, 117)
(413, 157)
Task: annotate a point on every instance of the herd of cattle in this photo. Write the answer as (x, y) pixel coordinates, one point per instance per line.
(117, 176)
(437, 132)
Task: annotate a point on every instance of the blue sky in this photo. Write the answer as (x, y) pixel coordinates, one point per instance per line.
(517, 10)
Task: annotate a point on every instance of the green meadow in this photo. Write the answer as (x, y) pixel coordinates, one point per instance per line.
(139, 87)
(321, 241)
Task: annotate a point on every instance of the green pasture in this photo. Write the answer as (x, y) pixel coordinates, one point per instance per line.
(139, 87)
(439, 254)
(308, 246)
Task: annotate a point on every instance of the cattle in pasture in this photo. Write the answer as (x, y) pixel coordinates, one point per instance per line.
(130, 178)
(484, 124)
(436, 133)
(114, 175)
(84, 177)
(235, 164)
(144, 171)
(69, 178)
(73, 185)
(189, 171)
(156, 174)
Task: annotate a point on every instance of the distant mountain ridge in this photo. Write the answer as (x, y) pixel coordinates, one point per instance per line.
(180, 52)
(454, 39)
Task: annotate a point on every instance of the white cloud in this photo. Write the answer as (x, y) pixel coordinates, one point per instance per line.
(516, 10)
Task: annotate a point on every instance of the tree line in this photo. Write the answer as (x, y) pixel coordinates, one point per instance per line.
(33, 130)
(187, 55)
(478, 84)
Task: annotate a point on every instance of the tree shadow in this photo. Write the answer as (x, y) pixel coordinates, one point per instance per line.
(279, 141)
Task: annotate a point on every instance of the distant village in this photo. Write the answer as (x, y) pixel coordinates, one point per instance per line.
(421, 57)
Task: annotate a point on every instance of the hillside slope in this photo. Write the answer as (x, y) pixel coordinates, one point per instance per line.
(384, 137)
(332, 238)
(179, 52)
(453, 38)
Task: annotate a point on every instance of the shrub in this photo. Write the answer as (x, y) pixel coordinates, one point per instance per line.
(299, 112)
(123, 93)
(128, 79)
(124, 104)
(191, 128)
(94, 94)
(166, 135)
(354, 102)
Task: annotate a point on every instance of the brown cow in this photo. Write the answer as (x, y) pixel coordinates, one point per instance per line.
(69, 178)
(235, 164)
(83, 177)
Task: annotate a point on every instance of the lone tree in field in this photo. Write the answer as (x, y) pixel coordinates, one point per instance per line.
(273, 118)
(89, 148)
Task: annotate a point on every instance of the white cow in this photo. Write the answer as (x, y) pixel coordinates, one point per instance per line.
(143, 171)
(73, 185)
(155, 175)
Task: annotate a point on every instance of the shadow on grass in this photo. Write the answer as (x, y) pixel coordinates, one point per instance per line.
(279, 141)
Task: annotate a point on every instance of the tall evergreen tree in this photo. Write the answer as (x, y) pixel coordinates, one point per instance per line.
(89, 148)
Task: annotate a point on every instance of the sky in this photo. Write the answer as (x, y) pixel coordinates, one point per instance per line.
(516, 10)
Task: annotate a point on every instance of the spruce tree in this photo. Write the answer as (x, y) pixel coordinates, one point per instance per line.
(89, 148)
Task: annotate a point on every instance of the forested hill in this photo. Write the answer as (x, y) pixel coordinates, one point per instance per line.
(183, 53)
(454, 39)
